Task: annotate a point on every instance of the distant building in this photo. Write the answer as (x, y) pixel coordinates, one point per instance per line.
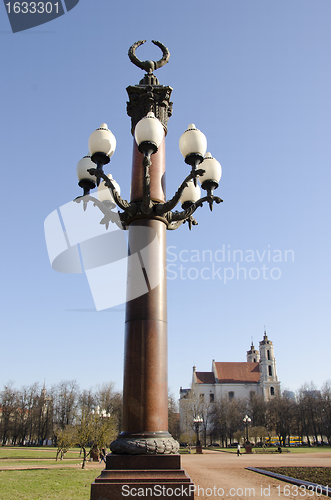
(290, 395)
(256, 376)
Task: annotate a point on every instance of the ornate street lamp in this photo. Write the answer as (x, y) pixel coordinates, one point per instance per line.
(197, 421)
(149, 134)
(145, 444)
(246, 421)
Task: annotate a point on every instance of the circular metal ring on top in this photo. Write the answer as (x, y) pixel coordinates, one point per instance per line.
(149, 66)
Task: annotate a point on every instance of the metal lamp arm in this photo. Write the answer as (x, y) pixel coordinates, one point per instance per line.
(123, 204)
(162, 208)
(185, 214)
(147, 205)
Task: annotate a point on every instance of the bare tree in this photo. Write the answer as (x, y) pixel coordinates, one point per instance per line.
(326, 410)
(87, 400)
(282, 417)
(111, 401)
(219, 421)
(27, 402)
(43, 416)
(235, 412)
(310, 405)
(65, 402)
(193, 406)
(66, 438)
(95, 430)
(257, 408)
(8, 401)
(173, 417)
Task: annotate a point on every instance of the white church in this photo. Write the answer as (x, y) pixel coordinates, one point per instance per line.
(256, 376)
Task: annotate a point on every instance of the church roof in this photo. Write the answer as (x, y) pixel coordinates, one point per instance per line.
(231, 373)
(237, 372)
(205, 377)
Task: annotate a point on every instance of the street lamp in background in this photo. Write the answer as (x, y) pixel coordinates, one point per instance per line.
(246, 421)
(145, 453)
(102, 413)
(198, 421)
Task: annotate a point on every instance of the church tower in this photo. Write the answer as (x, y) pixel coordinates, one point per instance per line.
(253, 356)
(268, 373)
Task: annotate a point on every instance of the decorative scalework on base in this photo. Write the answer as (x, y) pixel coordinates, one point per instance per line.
(161, 445)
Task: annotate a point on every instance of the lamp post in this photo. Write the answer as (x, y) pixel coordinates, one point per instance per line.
(197, 421)
(246, 421)
(145, 444)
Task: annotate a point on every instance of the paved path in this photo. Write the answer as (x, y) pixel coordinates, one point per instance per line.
(223, 475)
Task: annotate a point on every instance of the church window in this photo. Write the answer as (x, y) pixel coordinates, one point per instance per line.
(202, 397)
(251, 395)
(268, 353)
(211, 398)
(231, 395)
(254, 360)
(272, 391)
(270, 370)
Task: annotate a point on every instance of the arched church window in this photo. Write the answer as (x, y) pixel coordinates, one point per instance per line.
(270, 371)
(272, 391)
(268, 353)
(231, 395)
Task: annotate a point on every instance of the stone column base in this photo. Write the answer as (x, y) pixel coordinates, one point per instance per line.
(147, 476)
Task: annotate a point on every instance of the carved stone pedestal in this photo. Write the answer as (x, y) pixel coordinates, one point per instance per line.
(148, 476)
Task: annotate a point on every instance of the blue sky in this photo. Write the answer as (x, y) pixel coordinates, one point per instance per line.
(254, 76)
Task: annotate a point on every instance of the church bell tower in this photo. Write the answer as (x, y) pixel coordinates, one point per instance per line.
(268, 373)
(253, 356)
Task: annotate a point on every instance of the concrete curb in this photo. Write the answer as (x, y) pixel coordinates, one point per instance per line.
(317, 488)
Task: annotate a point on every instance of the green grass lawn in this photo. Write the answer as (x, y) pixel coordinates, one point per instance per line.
(26, 453)
(55, 484)
(301, 449)
(23, 456)
(316, 475)
(43, 463)
(51, 484)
